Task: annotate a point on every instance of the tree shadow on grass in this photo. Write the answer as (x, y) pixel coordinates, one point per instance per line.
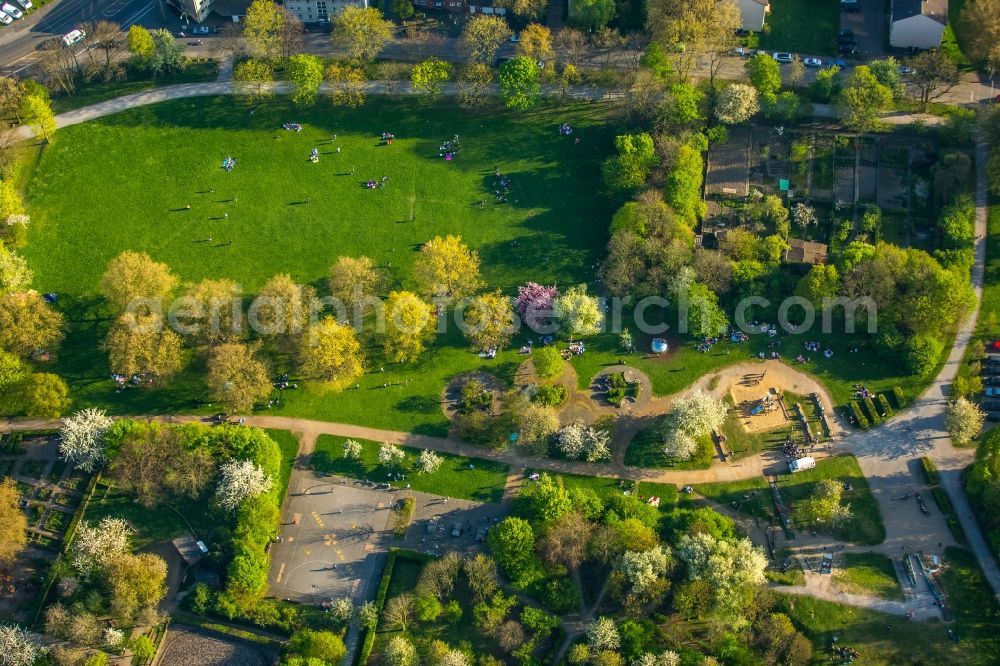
(331, 463)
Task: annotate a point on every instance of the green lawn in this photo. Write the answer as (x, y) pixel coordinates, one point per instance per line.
(953, 40)
(802, 26)
(157, 160)
(646, 450)
(977, 614)
(162, 523)
(882, 639)
(289, 445)
(866, 528)
(868, 573)
(605, 487)
(458, 476)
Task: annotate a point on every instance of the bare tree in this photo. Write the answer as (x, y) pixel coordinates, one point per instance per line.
(229, 43)
(58, 67)
(291, 35)
(106, 41)
(572, 45)
(10, 150)
(10, 97)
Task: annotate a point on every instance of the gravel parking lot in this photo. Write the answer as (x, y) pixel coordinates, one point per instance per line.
(190, 646)
(335, 531)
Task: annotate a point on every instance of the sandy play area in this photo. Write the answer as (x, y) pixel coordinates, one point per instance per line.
(747, 397)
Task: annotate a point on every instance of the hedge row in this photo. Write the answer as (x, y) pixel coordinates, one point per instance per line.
(883, 403)
(897, 395)
(383, 589)
(930, 471)
(944, 504)
(859, 416)
(872, 413)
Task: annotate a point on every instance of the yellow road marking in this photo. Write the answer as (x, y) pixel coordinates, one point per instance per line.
(281, 571)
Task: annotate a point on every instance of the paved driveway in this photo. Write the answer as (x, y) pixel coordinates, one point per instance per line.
(869, 26)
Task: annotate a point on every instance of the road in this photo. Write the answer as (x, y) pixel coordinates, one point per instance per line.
(20, 40)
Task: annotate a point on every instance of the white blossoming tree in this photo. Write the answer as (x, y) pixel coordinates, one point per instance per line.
(390, 454)
(241, 480)
(603, 635)
(738, 102)
(352, 449)
(453, 658)
(577, 441)
(19, 647)
(429, 462)
(114, 638)
(82, 438)
(342, 610)
(366, 615)
(400, 652)
(94, 546)
(730, 568)
(668, 658)
(642, 569)
(691, 417)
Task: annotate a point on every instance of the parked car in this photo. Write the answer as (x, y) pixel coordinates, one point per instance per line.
(456, 530)
(839, 62)
(432, 525)
(200, 30)
(741, 52)
(906, 71)
(812, 62)
(993, 416)
(991, 405)
(5, 19)
(782, 57)
(991, 380)
(26, 4)
(11, 10)
(850, 6)
(73, 36)
(992, 391)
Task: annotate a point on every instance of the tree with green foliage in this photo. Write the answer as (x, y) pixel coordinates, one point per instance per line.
(347, 84)
(483, 36)
(765, 75)
(512, 543)
(682, 106)
(922, 353)
(362, 31)
(826, 85)
(821, 282)
(863, 99)
(305, 72)
(263, 26)
(237, 378)
(525, 10)
(28, 323)
(683, 188)
(36, 112)
(519, 83)
(824, 505)
(548, 361)
(168, 54)
(429, 77)
(254, 81)
(409, 325)
(134, 276)
(591, 14)
(326, 646)
(331, 353)
(578, 313)
(473, 85)
(785, 107)
(630, 168)
(886, 70)
(489, 321)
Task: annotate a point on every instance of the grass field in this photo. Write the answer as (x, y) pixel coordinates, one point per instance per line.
(866, 528)
(157, 160)
(808, 27)
(977, 614)
(646, 450)
(868, 573)
(458, 476)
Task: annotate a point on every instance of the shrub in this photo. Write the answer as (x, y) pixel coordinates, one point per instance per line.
(552, 395)
(859, 418)
(930, 471)
(548, 361)
(383, 588)
(403, 514)
(560, 595)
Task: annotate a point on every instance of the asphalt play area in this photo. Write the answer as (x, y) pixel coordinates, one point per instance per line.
(334, 532)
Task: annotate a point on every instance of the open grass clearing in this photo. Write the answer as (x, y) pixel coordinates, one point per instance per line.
(458, 476)
(868, 573)
(808, 27)
(865, 528)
